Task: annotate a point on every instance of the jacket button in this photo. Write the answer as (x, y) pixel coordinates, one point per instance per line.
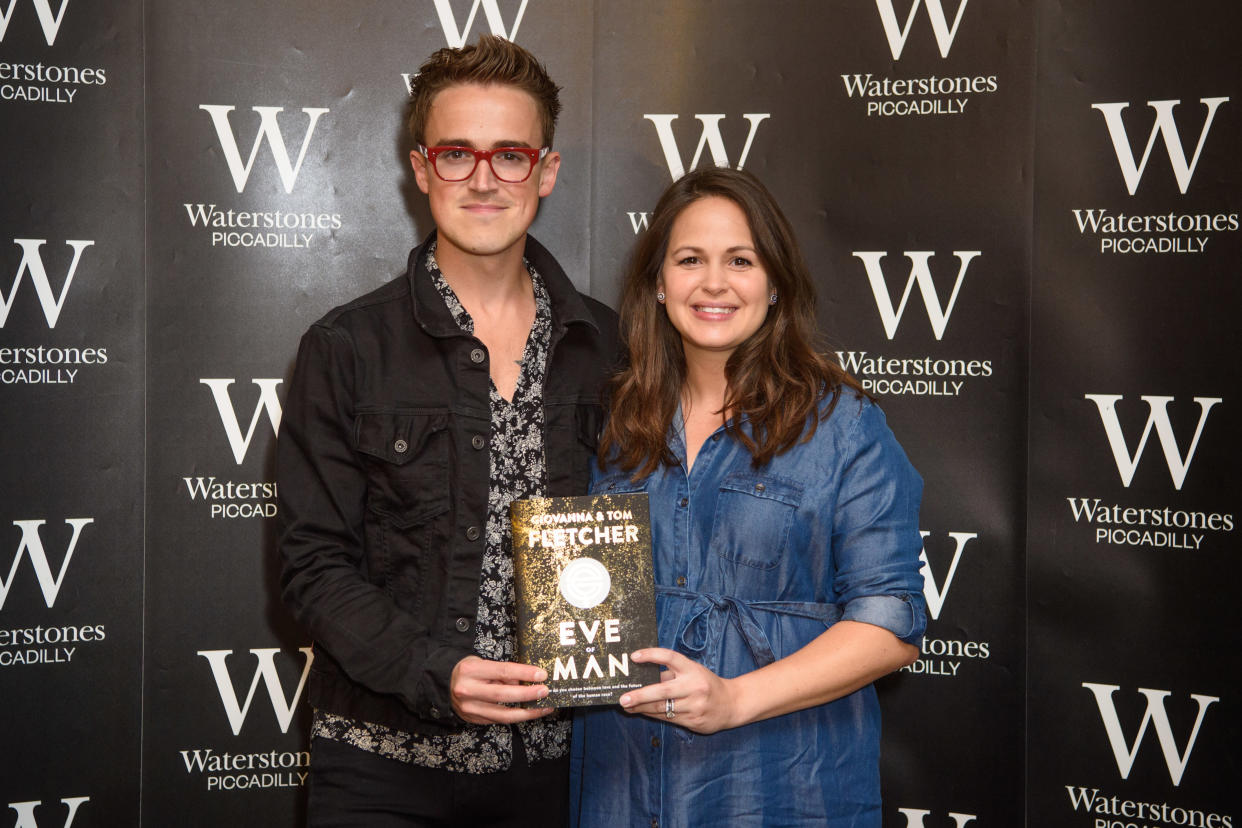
(716, 437)
(655, 741)
(684, 502)
(472, 533)
(681, 580)
(477, 356)
(400, 446)
(759, 487)
(463, 624)
(435, 712)
(477, 441)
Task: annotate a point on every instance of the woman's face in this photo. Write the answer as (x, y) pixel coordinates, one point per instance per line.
(716, 290)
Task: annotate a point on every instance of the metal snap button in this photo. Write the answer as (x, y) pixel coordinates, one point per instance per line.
(684, 502)
(477, 356)
(472, 533)
(681, 580)
(759, 487)
(400, 446)
(463, 624)
(477, 441)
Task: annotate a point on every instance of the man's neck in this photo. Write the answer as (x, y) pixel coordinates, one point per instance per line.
(485, 283)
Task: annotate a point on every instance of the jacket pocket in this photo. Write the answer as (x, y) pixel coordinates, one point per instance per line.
(572, 437)
(407, 463)
(752, 519)
(408, 500)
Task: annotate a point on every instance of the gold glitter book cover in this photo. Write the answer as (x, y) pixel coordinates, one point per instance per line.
(585, 594)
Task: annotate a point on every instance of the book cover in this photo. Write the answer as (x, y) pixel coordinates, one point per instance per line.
(585, 593)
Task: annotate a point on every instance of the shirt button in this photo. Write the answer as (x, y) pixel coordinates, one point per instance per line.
(681, 580)
(716, 437)
(655, 741)
(477, 441)
(477, 356)
(759, 487)
(463, 624)
(400, 446)
(472, 533)
(684, 502)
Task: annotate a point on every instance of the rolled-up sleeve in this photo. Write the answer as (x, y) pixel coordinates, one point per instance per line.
(876, 540)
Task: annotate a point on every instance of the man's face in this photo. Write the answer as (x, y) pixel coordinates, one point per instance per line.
(483, 216)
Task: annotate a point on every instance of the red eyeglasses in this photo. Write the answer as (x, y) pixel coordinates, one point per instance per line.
(512, 165)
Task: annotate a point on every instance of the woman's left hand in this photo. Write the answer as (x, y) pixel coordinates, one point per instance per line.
(700, 700)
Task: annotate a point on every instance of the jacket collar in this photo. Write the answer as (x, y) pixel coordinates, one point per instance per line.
(433, 315)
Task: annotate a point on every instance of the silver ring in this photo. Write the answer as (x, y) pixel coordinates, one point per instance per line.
(668, 708)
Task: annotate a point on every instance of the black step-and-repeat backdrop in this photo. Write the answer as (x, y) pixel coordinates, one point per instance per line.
(1024, 223)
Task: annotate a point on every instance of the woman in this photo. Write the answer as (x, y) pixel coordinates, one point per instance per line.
(784, 528)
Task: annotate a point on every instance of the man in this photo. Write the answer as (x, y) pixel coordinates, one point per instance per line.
(416, 414)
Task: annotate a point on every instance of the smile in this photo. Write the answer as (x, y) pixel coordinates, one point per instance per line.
(715, 310)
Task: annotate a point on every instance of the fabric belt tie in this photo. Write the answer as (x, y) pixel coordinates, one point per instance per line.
(703, 624)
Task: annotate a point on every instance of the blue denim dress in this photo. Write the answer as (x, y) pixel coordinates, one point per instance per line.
(751, 565)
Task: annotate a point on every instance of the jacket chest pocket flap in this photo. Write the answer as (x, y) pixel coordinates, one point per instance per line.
(753, 515)
(407, 462)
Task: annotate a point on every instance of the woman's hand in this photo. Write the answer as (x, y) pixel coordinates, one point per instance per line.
(701, 700)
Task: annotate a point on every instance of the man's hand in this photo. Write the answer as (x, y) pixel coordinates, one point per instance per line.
(481, 689)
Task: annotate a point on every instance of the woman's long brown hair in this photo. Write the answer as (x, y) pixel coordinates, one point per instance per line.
(776, 378)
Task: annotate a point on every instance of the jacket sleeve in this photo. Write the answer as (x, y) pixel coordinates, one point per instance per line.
(322, 488)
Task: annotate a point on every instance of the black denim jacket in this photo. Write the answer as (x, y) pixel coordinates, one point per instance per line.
(382, 464)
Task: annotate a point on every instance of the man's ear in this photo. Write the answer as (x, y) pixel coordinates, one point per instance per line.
(422, 169)
(547, 175)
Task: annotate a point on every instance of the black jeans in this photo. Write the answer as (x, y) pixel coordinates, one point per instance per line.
(353, 788)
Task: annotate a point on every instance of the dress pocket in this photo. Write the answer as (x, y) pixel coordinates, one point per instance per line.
(752, 519)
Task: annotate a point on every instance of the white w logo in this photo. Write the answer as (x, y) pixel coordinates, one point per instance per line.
(934, 594)
(491, 9)
(935, 13)
(26, 811)
(920, 273)
(33, 543)
(1166, 127)
(266, 673)
(1155, 714)
(269, 129)
(32, 262)
(710, 139)
(914, 816)
(1158, 416)
(50, 24)
(268, 401)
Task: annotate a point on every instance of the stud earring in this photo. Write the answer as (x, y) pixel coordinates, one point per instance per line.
(660, 296)
(772, 299)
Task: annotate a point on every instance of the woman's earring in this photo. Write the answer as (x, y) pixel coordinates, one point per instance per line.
(660, 296)
(772, 299)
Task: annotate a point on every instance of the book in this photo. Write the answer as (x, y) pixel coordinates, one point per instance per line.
(585, 591)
